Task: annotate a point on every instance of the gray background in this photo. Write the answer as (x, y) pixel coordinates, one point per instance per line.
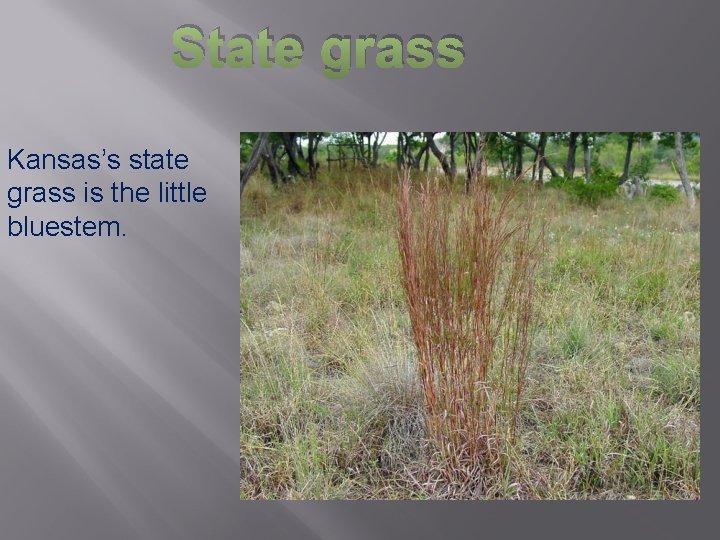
(119, 363)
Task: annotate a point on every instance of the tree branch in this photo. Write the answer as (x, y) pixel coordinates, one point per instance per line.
(532, 147)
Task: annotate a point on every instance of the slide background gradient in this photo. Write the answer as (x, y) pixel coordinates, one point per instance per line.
(119, 358)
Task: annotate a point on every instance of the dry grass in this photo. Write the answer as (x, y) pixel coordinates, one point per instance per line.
(469, 276)
(331, 402)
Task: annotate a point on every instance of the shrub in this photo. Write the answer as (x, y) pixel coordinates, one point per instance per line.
(469, 283)
(664, 192)
(603, 184)
(592, 192)
(557, 182)
(642, 166)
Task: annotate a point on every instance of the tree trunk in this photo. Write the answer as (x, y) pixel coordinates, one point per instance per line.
(405, 157)
(358, 147)
(541, 153)
(255, 157)
(469, 159)
(276, 173)
(400, 151)
(313, 165)
(519, 147)
(441, 157)
(299, 147)
(290, 144)
(453, 165)
(480, 152)
(569, 168)
(474, 144)
(586, 155)
(628, 153)
(530, 145)
(376, 145)
(418, 158)
(682, 169)
(368, 152)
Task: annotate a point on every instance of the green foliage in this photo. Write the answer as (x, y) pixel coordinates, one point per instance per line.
(391, 156)
(689, 139)
(693, 161)
(603, 174)
(642, 166)
(556, 182)
(342, 137)
(591, 193)
(498, 149)
(247, 139)
(602, 185)
(610, 150)
(664, 192)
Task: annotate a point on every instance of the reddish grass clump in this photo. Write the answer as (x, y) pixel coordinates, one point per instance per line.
(469, 273)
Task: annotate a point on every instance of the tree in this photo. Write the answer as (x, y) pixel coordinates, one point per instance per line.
(534, 147)
(518, 156)
(632, 138)
(569, 167)
(473, 144)
(540, 155)
(368, 152)
(681, 142)
(269, 155)
(587, 139)
(452, 137)
(682, 169)
(439, 155)
(255, 156)
(289, 141)
(408, 142)
(314, 139)
(628, 152)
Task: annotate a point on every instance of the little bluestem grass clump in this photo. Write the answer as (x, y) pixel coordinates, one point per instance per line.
(469, 278)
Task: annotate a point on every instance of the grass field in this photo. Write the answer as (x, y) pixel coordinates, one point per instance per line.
(330, 402)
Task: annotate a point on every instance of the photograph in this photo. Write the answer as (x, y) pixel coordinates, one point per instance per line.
(469, 315)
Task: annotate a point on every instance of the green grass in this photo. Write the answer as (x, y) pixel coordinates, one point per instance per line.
(330, 402)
